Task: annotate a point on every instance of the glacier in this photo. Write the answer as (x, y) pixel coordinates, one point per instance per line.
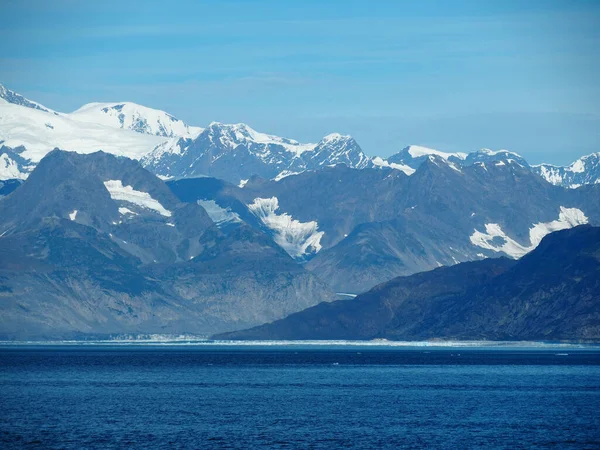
(297, 238)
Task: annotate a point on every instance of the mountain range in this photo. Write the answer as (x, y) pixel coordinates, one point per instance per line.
(141, 223)
(235, 152)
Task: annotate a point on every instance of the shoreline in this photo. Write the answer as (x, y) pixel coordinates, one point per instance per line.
(378, 343)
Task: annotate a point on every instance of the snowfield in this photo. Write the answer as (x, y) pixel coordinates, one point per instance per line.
(127, 194)
(567, 218)
(220, 216)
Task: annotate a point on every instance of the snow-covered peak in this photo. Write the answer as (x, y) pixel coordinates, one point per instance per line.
(135, 117)
(17, 99)
(485, 155)
(336, 137)
(336, 149)
(417, 151)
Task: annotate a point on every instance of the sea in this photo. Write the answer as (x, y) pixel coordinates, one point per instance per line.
(295, 395)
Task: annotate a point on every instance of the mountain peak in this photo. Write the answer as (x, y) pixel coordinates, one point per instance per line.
(336, 137)
(139, 118)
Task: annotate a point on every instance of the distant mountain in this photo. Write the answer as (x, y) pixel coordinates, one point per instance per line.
(95, 244)
(28, 131)
(237, 152)
(414, 155)
(549, 294)
(586, 170)
(136, 118)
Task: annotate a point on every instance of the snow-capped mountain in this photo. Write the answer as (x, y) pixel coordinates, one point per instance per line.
(235, 152)
(28, 131)
(586, 170)
(132, 116)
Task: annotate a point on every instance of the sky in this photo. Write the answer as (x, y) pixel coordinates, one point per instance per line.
(451, 75)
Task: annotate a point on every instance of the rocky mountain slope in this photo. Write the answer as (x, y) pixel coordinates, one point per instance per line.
(549, 294)
(95, 244)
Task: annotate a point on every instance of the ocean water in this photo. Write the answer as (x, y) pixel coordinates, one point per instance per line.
(298, 397)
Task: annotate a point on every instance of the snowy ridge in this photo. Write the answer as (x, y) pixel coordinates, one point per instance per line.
(8, 96)
(296, 238)
(127, 194)
(490, 240)
(232, 135)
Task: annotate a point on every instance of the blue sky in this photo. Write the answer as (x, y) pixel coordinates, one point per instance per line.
(453, 75)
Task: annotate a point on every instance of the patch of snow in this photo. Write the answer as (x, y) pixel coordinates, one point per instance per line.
(284, 174)
(577, 167)
(220, 216)
(73, 215)
(127, 194)
(9, 168)
(380, 162)
(295, 237)
(242, 183)
(567, 218)
(123, 211)
(551, 174)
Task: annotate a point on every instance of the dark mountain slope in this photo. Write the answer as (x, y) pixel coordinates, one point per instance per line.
(553, 293)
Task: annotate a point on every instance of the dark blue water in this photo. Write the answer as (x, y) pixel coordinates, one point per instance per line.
(211, 397)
